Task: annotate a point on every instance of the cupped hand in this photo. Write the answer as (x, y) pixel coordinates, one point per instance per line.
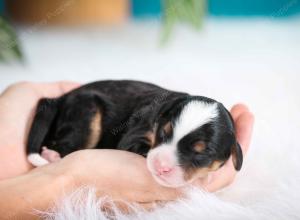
(124, 175)
(119, 174)
(17, 106)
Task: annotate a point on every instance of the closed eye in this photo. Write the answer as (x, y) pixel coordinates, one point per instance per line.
(202, 161)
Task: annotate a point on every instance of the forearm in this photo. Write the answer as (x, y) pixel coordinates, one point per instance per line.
(21, 196)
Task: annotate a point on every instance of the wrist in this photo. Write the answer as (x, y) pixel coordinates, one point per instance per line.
(58, 182)
(37, 190)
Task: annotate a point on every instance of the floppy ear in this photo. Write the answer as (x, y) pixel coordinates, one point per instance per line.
(237, 156)
(44, 116)
(236, 150)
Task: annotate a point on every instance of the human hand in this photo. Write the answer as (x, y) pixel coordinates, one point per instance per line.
(122, 175)
(125, 176)
(17, 106)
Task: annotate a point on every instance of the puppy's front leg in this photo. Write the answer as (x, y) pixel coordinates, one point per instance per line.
(139, 142)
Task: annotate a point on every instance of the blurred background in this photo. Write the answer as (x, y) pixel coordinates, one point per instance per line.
(232, 50)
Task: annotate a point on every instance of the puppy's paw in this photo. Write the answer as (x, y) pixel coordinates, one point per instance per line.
(50, 155)
(36, 160)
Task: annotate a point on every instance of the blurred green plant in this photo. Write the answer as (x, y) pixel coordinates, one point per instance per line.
(186, 11)
(9, 44)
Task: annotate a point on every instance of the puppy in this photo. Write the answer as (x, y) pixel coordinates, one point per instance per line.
(184, 137)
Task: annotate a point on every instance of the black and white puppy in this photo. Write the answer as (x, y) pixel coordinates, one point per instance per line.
(184, 137)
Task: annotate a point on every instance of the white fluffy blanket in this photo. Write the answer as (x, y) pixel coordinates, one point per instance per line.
(256, 62)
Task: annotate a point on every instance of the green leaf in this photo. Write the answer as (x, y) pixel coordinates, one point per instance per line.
(9, 44)
(184, 11)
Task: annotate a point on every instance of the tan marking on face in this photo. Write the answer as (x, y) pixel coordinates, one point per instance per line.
(215, 165)
(95, 131)
(199, 146)
(151, 138)
(195, 173)
(167, 128)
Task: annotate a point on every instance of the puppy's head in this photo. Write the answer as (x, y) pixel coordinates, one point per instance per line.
(194, 136)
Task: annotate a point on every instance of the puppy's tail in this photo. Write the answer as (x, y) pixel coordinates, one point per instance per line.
(44, 116)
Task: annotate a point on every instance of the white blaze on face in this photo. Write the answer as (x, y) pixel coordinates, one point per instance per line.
(194, 115)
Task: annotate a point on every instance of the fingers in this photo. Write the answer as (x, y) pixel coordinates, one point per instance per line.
(66, 86)
(55, 89)
(244, 121)
(244, 127)
(237, 110)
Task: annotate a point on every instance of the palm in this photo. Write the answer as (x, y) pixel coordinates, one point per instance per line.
(18, 104)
